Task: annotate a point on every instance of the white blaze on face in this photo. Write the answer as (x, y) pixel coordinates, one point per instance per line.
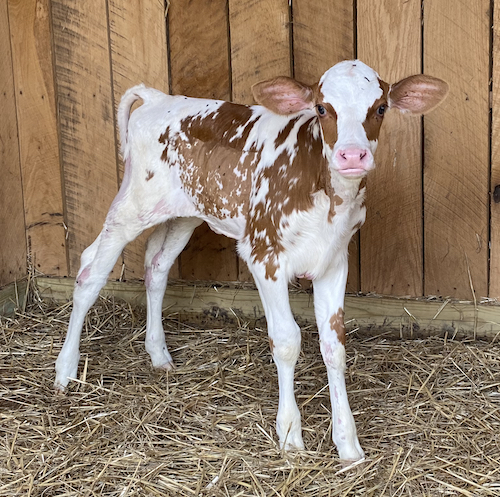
(351, 87)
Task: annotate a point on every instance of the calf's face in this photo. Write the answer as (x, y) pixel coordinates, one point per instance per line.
(350, 101)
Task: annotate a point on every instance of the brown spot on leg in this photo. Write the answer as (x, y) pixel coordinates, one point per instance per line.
(150, 174)
(337, 325)
(271, 345)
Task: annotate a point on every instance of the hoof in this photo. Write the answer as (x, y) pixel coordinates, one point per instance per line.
(292, 442)
(59, 389)
(167, 366)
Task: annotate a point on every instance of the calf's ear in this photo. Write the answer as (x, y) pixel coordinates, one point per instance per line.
(417, 94)
(283, 95)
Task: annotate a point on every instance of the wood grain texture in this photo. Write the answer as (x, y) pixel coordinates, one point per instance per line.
(199, 62)
(494, 276)
(396, 317)
(38, 137)
(389, 40)
(323, 34)
(13, 239)
(260, 44)
(456, 174)
(260, 50)
(86, 120)
(138, 55)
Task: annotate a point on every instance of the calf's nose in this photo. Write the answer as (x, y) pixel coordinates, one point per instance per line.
(354, 161)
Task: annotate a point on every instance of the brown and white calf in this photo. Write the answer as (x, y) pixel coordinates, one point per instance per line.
(283, 178)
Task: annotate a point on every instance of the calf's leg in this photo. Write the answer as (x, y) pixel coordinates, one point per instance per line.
(164, 245)
(97, 261)
(329, 309)
(284, 340)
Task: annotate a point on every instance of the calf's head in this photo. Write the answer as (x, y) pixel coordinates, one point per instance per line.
(350, 101)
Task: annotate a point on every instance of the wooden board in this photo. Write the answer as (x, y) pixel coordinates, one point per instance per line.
(260, 44)
(456, 151)
(13, 240)
(323, 34)
(38, 138)
(138, 55)
(260, 50)
(494, 276)
(389, 40)
(86, 120)
(391, 316)
(199, 62)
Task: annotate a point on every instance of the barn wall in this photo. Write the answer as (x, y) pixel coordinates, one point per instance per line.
(433, 221)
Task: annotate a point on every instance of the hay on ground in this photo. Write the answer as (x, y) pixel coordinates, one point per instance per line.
(427, 413)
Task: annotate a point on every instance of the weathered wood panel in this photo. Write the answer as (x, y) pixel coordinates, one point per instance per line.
(260, 44)
(323, 34)
(396, 317)
(260, 50)
(494, 276)
(86, 120)
(199, 55)
(389, 39)
(456, 160)
(13, 239)
(38, 136)
(138, 55)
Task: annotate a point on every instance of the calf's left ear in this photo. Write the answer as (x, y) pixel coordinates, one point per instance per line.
(283, 95)
(417, 94)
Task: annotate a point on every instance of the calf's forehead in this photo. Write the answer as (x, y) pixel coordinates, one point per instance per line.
(351, 87)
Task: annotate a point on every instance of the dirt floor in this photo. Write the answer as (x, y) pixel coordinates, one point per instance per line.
(427, 412)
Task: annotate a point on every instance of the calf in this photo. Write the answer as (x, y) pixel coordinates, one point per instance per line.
(283, 178)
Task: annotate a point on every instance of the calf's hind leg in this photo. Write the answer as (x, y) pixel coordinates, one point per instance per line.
(97, 261)
(164, 245)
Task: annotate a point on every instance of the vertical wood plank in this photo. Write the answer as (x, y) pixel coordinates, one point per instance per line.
(13, 240)
(260, 44)
(323, 34)
(86, 120)
(456, 174)
(38, 138)
(199, 58)
(494, 276)
(260, 49)
(389, 40)
(138, 55)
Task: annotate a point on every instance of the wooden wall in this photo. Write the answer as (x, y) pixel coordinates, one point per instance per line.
(433, 225)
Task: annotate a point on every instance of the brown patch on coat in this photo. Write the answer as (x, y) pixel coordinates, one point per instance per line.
(285, 132)
(215, 167)
(150, 174)
(337, 325)
(271, 345)
(373, 120)
(291, 185)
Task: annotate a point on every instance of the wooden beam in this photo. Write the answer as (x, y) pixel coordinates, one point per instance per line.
(389, 40)
(13, 239)
(38, 138)
(456, 149)
(400, 317)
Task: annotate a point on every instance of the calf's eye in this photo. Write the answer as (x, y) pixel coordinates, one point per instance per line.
(381, 110)
(321, 110)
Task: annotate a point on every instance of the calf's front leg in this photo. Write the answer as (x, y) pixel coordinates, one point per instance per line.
(284, 340)
(329, 293)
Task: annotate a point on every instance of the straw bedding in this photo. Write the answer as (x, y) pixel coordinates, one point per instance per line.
(427, 412)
